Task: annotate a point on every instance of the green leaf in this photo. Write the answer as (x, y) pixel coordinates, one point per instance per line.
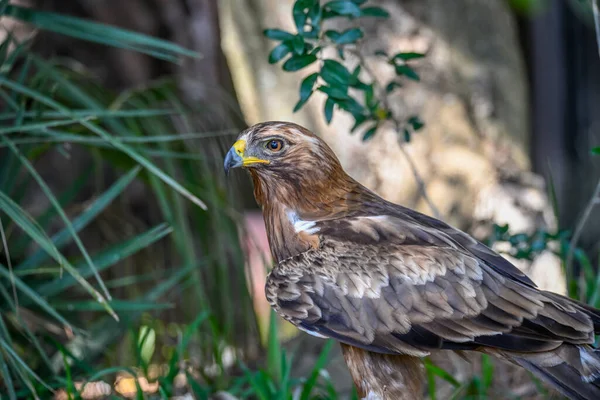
(407, 56)
(356, 72)
(26, 223)
(440, 372)
(131, 152)
(306, 89)
(278, 34)
(416, 122)
(328, 110)
(7, 378)
(349, 36)
(82, 220)
(315, 16)
(117, 305)
(299, 14)
(298, 44)
(336, 93)
(273, 349)
(393, 85)
(106, 258)
(316, 371)
(358, 121)
(377, 12)
(335, 73)
(198, 391)
(406, 135)
(146, 343)
(370, 133)
(596, 150)
(381, 53)
(50, 196)
(9, 351)
(295, 63)
(99, 33)
(278, 53)
(407, 71)
(333, 35)
(343, 7)
(487, 372)
(351, 105)
(32, 295)
(370, 96)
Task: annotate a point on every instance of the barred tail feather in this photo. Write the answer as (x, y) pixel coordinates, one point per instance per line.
(574, 370)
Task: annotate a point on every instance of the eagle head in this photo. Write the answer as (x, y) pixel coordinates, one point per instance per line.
(286, 161)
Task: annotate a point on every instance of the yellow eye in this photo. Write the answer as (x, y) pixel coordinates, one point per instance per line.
(275, 145)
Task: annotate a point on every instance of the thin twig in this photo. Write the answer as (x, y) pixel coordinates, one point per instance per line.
(595, 199)
(420, 182)
(383, 96)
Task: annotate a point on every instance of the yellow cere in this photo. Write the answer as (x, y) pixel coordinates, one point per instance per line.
(240, 148)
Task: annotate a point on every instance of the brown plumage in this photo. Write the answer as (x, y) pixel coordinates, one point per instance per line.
(386, 281)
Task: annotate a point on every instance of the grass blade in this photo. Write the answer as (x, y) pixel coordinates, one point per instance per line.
(60, 211)
(21, 218)
(149, 166)
(99, 33)
(84, 218)
(9, 351)
(117, 305)
(314, 375)
(274, 349)
(106, 258)
(35, 297)
(440, 372)
(4, 372)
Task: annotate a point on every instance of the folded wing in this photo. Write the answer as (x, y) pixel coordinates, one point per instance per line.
(400, 285)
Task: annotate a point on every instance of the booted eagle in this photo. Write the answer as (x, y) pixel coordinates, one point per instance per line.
(389, 282)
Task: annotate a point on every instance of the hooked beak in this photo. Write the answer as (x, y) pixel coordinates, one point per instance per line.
(236, 157)
(232, 160)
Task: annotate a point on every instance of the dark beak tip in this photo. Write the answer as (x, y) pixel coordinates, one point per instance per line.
(232, 160)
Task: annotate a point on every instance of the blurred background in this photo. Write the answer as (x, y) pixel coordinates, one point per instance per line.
(129, 265)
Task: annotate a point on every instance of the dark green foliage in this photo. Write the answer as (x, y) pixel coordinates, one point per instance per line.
(96, 32)
(306, 90)
(279, 53)
(297, 62)
(306, 46)
(49, 273)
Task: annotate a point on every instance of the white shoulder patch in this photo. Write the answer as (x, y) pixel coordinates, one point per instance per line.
(301, 225)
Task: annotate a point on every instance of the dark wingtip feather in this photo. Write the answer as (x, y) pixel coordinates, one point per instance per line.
(578, 380)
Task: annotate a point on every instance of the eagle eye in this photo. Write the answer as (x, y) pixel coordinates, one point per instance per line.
(274, 145)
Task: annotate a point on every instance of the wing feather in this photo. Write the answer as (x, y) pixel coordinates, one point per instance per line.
(392, 286)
